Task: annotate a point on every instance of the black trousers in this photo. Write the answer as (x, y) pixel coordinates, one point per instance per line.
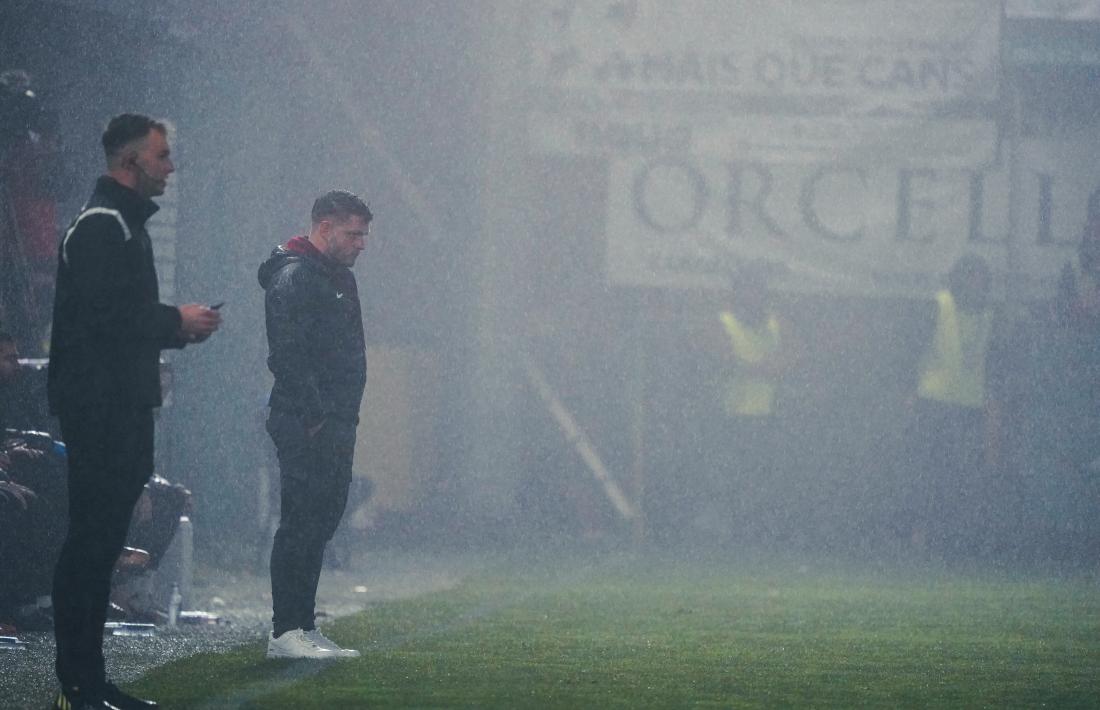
(741, 475)
(947, 455)
(315, 474)
(110, 453)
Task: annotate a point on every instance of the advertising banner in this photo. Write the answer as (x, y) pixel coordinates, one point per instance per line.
(855, 142)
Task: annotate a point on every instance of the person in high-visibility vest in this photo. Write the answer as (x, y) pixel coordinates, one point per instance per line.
(1055, 412)
(955, 418)
(754, 346)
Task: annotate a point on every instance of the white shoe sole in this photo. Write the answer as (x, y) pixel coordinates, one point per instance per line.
(275, 653)
(346, 653)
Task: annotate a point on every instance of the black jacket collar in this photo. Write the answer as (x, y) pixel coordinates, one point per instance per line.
(134, 207)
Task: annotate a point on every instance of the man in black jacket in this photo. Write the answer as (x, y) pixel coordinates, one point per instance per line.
(318, 356)
(103, 383)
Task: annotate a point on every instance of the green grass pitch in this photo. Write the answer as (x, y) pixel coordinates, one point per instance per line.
(633, 632)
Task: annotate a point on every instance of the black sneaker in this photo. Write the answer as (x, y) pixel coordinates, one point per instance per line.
(125, 701)
(74, 699)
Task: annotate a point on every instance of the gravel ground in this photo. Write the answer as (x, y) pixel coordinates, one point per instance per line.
(243, 601)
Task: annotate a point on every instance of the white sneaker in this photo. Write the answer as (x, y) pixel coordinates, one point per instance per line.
(326, 643)
(296, 644)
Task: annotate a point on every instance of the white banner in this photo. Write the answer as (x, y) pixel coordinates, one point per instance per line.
(776, 80)
(962, 143)
(853, 141)
(686, 223)
(861, 56)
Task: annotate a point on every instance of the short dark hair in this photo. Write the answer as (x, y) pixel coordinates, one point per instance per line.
(339, 204)
(126, 128)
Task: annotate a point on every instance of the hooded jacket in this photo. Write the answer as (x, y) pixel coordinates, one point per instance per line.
(316, 348)
(108, 324)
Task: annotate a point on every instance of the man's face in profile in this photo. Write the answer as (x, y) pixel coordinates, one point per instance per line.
(346, 238)
(152, 165)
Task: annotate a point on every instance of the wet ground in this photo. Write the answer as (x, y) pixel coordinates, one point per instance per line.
(242, 600)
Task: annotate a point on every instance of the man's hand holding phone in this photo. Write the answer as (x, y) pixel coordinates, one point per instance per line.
(198, 322)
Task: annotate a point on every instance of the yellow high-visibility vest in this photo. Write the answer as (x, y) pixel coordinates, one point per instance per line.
(953, 368)
(747, 394)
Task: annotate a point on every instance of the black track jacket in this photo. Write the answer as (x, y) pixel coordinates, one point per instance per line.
(108, 324)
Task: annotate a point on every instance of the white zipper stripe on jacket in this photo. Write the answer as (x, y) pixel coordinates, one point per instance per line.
(94, 210)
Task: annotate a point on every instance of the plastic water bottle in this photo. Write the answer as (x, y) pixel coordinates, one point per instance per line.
(185, 532)
(123, 628)
(174, 602)
(12, 643)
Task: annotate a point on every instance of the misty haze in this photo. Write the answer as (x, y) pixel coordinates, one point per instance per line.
(717, 352)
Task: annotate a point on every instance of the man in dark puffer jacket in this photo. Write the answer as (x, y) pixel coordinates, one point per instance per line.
(318, 356)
